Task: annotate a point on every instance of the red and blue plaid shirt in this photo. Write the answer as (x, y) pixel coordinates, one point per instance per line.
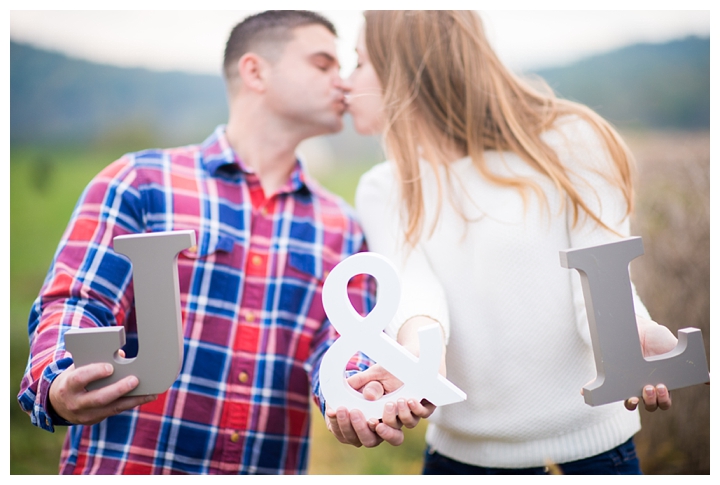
(254, 325)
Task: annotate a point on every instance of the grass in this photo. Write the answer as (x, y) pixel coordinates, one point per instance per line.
(329, 457)
(44, 187)
(673, 194)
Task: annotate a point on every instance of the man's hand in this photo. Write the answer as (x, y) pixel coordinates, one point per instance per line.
(76, 405)
(655, 339)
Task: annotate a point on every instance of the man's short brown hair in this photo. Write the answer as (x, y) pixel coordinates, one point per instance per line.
(266, 33)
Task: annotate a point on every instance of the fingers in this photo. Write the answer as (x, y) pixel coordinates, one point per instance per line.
(393, 436)
(377, 373)
(632, 403)
(352, 428)
(345, 428)
(422, 409)
(352, 434)
(372, 432)
(357, 381)
(390, 416)
(373, 391)
(100, 398)
(68, 389)
(96, 414)
(367, 437)
(654, 397)
(405, 414)
(333, 426)
(71, 400)
(372, 424)
(664, 399)
(78, 378)
(410, 412)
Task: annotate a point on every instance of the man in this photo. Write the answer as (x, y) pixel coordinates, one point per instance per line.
(253, 320)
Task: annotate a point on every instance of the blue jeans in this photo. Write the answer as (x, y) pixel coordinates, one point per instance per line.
(618, 461)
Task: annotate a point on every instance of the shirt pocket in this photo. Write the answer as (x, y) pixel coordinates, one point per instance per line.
(210, 244)
(302, 281)
(305, 265)
(212, 269)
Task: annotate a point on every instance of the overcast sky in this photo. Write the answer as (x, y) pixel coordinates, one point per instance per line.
(193, 40)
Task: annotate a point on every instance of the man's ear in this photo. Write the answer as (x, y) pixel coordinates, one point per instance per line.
(253, 71)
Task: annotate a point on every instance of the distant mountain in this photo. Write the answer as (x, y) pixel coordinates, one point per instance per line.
(651, 85)
(54, 98)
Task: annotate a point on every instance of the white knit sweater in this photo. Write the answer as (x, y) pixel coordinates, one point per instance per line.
(518, 338)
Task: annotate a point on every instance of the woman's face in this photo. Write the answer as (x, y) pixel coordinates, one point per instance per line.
(365, 100)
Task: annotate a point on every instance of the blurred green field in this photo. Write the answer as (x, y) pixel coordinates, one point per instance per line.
(672, 279)
(44, 186)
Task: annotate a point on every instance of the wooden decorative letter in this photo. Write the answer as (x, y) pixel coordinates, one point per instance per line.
(157, 310)
(420, 377)
(622, 371)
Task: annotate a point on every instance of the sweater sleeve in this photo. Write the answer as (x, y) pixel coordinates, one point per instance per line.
(379, 210)
(584, 153)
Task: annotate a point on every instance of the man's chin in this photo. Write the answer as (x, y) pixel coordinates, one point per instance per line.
(327, 127)
(335, 126)
(338, 126)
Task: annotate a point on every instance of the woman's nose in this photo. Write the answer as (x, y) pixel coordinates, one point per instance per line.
(344, 84)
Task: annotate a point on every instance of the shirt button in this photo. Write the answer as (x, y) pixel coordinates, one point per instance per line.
(234, 437)
(263, 211)
(192, 249)
(250, 316)
(256, 260)
(243, 377)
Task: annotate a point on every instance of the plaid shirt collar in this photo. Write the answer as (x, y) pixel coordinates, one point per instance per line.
(218, 157)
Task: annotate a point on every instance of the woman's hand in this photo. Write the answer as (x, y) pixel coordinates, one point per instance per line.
(655, 339)
(352, 428)
(375, 382)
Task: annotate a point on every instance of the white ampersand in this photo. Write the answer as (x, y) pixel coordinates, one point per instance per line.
(420, 376)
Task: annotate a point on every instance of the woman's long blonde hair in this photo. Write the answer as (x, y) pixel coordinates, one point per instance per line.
(446, 91)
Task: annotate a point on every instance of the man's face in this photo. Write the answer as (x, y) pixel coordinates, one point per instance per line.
(304, 87)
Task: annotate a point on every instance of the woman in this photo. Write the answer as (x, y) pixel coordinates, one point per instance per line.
(488, 179)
